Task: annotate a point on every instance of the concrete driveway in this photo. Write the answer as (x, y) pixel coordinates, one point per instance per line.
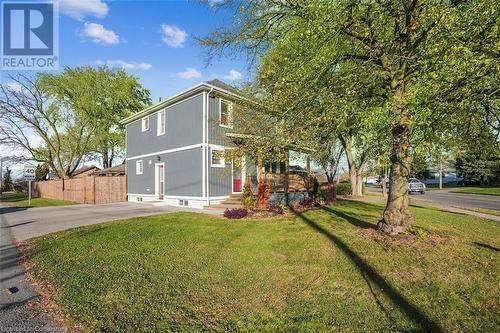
(27, 223)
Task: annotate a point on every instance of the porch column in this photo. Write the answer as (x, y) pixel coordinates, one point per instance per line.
(287, 179)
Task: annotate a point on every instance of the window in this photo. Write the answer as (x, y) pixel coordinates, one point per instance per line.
(161, 122)
(183, 203)
(139, 167)
(218, 158)
(226, 114)
(145, 124)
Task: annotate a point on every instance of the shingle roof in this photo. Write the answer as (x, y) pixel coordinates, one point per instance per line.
(222, 85)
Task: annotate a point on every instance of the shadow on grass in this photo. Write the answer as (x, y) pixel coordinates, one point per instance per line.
(349, 218)
(486, 246)
(410, 310)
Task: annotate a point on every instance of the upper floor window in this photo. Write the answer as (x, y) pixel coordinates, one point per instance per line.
(218, 158)
(226, 114)
(145, 123)
(139, 167)
(161, 122)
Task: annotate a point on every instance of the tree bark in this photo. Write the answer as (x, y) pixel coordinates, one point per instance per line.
(397, 216)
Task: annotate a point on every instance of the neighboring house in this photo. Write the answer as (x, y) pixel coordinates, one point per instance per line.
(117, 170)
(175, 149)
(84, 171)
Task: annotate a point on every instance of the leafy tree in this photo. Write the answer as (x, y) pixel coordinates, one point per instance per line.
(29, 113)
(101, 97)
(413, 64)
(7, 180)
(41, 172)
(479, 158)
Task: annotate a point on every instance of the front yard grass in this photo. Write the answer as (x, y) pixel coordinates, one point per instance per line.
(478, 190)
(320, 271)
(20, 200)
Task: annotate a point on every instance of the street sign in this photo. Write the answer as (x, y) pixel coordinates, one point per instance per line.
(29, 172)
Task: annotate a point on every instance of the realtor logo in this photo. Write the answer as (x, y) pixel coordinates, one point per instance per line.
(29, 35)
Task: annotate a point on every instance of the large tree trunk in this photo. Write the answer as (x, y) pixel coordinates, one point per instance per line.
(397, 215)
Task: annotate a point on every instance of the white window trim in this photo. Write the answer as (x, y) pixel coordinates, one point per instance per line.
(144, 128)
(220, 113)
(159, 130)
(223, 160)
(141, 162)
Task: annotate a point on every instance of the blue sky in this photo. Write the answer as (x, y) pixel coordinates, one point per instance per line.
(153, 40)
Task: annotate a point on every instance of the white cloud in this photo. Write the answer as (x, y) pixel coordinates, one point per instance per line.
(78, 9)
(233, 75)
(100, 35)
(173, 36)
(189, 73)
(125, 65)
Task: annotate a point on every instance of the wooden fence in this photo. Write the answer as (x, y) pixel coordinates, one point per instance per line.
(90, 189)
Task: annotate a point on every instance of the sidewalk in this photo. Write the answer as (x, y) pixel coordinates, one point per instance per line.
(423, 202)
(20, 309)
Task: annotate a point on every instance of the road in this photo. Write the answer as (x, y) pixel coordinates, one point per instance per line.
(447, 198)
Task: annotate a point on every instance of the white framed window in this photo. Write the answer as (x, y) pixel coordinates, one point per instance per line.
(217, 159)
(161, 122)
(139, 167)
(145, 123)
(226, 114)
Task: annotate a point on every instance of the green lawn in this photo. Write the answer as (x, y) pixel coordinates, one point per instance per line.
(321, 271)
(20, 200)
(478, 190)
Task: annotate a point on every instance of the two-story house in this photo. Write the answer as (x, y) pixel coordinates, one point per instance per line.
(175, 148)
(176, 152)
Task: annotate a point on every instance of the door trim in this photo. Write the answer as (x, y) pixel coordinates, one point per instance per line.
(157, 181)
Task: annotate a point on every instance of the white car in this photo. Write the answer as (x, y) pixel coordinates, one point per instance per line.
(415, 185)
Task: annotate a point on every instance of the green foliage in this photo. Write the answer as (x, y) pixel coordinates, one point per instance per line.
(41, 172)
(247, 197)
(315, 191)
(344, 189)
(419, 232)
(7, 180)
(101, 98)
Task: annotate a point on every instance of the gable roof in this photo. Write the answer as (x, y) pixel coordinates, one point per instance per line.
(213, 85)
(84, 169)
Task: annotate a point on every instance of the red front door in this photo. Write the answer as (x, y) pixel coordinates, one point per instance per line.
(237, 185)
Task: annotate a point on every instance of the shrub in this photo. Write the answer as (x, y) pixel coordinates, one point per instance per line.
(315, 191)
(235, 213)
(247, 198)
(307, 203)
(276, 210)
(420, 233)
(344, 189)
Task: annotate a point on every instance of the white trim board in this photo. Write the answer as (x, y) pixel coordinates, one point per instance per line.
(173, 150)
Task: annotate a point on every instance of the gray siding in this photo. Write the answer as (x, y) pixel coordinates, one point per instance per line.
(184, 127)
(183, 174)
(217, 133)
(220, 180)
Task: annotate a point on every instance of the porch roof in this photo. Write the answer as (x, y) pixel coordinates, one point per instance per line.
(242, 137)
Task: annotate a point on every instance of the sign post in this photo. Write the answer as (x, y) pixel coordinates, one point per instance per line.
(29, 175)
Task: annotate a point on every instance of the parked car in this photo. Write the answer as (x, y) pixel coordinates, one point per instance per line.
(415, 185)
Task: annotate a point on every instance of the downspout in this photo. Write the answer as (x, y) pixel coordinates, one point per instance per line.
(209, 158)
